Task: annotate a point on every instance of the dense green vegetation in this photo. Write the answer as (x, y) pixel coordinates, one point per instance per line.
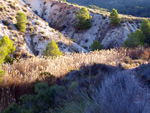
(38, 103)
(6, 49)
(21, 21)
(84, 19)
(114, 17)
(140, 37)
(130, 7)
(135, 39)
(96, 46)
(52, 49)
(145, 27)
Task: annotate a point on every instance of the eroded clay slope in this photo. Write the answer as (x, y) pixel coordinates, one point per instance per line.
(38, 32)
(62, 16)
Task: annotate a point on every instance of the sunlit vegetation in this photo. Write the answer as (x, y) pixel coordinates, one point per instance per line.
(111, 81)
(114, 17)
(30, 71)
(21, 21)
(52, 49)
(6, 49)
(84, 19)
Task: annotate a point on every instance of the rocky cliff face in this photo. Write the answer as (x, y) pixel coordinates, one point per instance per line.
(62, 16)
(38, 32)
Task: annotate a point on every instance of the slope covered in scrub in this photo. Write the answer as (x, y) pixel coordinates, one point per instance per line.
(73, 78)
(21, 76)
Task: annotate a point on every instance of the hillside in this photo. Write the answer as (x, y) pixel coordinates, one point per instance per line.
(114, 79)
(38, 33)
(61, 16)
(68, 71)
(130, 7)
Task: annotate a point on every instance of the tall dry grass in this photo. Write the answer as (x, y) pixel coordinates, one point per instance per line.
(28, 70)
(21, 75)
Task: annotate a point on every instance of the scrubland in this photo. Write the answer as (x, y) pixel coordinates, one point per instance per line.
(21, 76)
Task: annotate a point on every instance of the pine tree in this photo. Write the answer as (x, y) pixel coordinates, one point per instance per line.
(52, 49)
(135, 39)
(96, 46)
(6, 49)
(84, 19)
(114, 17)
(21, 21)
(8, 44)
(145, 27)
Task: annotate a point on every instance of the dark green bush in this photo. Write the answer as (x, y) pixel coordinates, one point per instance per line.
(46, 77)
(96, 46)
(40, 102)
(145, 27)
(114, 17)
(135, 39)
(84, 19)
(9, 59)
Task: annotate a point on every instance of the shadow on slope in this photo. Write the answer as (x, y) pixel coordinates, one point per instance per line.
(95, 88)
(10, 93)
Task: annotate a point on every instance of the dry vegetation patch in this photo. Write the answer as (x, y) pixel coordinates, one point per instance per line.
(21, 75)
(25, 72)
